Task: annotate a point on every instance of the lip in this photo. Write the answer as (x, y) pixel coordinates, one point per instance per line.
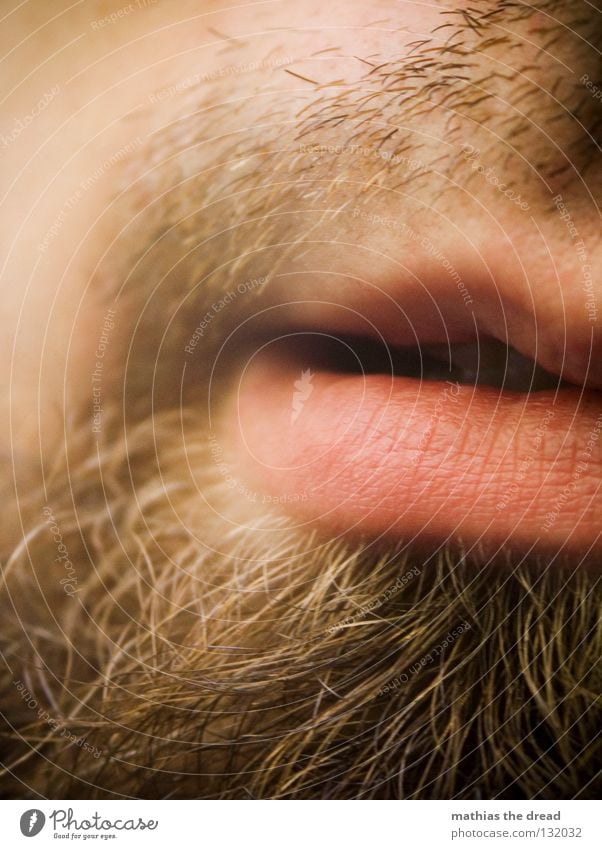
(380, 454)
(405, 296)
(420, 461)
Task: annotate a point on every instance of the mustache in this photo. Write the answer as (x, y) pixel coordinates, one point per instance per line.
(213, 651)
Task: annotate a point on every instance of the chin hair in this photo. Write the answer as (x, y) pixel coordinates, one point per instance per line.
(206, 648)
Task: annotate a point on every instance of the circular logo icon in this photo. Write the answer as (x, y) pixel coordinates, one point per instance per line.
(32, 822)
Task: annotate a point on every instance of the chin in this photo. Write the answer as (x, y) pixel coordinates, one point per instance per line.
(207, 647)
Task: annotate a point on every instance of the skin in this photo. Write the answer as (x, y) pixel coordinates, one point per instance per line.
(183, 152)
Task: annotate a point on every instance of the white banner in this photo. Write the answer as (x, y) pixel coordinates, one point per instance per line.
(301, 825)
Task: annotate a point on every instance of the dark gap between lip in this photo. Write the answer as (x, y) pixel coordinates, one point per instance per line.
(487, 362)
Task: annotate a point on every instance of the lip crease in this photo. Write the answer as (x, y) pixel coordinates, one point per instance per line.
(421, 460)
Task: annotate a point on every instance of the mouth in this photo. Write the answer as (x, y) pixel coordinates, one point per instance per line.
(483, 362)
(465, 442)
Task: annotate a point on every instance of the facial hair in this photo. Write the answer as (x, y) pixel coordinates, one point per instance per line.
(199, 655)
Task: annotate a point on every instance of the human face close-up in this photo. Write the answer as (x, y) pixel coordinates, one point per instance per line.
(302, 423)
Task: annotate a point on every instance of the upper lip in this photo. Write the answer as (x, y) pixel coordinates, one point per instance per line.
(416, 304)
(414, 346)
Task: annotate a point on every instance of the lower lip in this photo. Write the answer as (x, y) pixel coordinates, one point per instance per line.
(422, 461)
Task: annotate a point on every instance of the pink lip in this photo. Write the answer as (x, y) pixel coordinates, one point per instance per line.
(422, 460)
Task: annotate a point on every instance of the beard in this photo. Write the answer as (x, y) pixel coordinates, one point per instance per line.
(161, 646)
